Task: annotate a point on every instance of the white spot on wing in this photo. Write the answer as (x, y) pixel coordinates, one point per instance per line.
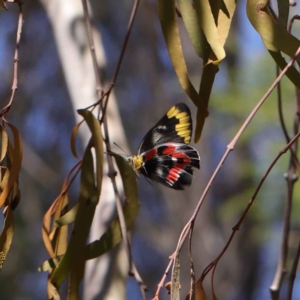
(162, 127)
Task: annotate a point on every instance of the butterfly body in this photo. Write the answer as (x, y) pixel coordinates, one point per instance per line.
(164, 154)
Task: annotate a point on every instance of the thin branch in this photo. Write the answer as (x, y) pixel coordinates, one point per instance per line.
(230, 147)
(292, 167)
(192, 288)
(280, 112)
(14, 87)
(293, 274)
(92, 47)
(129, 28)
(236, 227)
(291, 178)
(120, 60)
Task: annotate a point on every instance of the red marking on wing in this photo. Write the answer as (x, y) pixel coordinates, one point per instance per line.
(173, 174)
(150, 154)
(184, 157)
(169, 150)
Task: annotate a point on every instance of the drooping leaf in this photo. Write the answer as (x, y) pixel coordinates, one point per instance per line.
(46, 229)
(6, 235)
(199, 291)
(49, 264)
(73, 139)
(60, 239)
(170, 30)
(226, 12)
(208, 24)
(75, 278)
(274, 35)
(191, 23)
(97, 143)
(3, 4)
(88, 200)
(68, 218)
(113, 235)
(16, 158)
(283, 12)
(48, 233)
(4, 142)
(52, 292)
(207, 81)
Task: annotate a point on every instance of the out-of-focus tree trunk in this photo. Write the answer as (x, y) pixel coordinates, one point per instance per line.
(68, 25)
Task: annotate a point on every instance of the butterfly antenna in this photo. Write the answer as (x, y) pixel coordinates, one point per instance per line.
(121, 148)
(110, 153)
(148, 176)
(148, 180)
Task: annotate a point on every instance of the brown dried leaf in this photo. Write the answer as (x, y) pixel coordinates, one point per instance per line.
(46, 230)
(16, 159)
(4, 143)
(6, 235)
(199, 291)
(73, 139)
(3, 4)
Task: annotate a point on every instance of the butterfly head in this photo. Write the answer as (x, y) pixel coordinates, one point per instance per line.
(136, 162)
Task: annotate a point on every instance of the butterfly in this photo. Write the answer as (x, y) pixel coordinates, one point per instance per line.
(164, 154)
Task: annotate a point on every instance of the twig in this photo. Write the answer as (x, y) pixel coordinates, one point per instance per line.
(14, 87)
(120, 60)
(236, 227)
(192, 291)
(293, 274)
(112, 173)
(296, 129)
(230, 147)
(282, 123)
(291, 178)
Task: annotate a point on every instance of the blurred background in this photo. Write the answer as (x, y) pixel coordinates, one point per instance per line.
(146, 88)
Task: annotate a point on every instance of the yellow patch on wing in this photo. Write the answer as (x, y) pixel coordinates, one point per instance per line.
(183, 127)
(186, 134)
(173, 112)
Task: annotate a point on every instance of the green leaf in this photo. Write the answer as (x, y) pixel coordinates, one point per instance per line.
(225, 17)
(274, 35)
(291, 73)
(50, 264)
(283, 12)
(207, 81)
(169, 26)
(191, 23)
(88, 200)
(97, 143)
(209, 27)
(113, 235)
(69, 217)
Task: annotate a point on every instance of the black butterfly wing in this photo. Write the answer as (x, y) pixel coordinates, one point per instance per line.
(175, 126)
(171, 164)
